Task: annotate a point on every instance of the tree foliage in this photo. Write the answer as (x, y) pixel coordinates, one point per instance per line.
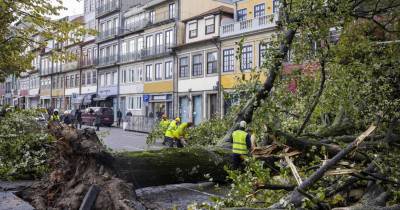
(21, 21)
(24, 146)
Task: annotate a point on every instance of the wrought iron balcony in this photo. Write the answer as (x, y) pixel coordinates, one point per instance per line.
(107, 8)
(105, 61)
(108, 34)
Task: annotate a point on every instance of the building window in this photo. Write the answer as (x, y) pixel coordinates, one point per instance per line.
(247, 58)
(158, 71)
(241, 14)
(275, 6)
(211, 62)
(108, 79)
(159, 43)
(171, 11)
(67, 82)
(184, 67)
(169, 38)
(123, 76)
(168, 70)
(197, 68)
(149, 72)
(135, 103)
(83, 79)
(77, 80)
(259, 10)
(115, 78)
(152, 15)
(193, 30)
(149, 44)
(210, 25)
(262, 53)
(229, 60)
(94, 75)
(88, 77)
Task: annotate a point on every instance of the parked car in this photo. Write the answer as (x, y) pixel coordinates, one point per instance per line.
(106, 116)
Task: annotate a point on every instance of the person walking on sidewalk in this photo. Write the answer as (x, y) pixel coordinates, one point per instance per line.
(97, 121)
(119, 116)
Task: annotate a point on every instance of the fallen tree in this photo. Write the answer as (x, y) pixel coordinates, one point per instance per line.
(84, 173)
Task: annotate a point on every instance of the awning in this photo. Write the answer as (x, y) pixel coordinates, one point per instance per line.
(103, 98)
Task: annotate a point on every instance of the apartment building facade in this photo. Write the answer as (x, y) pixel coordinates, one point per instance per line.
(198, 88)
(254, 22)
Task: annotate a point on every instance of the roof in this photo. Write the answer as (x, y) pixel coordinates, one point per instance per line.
(217, 10)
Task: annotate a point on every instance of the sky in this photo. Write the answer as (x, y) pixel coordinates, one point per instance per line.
(74, 8)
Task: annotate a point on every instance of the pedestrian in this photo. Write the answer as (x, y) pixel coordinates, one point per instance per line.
(67, 119)
(241, 145)
(119, 116)
(97, 120)
(181, 135)
(170, 132)
(55, 117)
(78, 117)
(164, 123)
(127, 121)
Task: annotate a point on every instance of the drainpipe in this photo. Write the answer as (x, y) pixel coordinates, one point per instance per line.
(217, 43)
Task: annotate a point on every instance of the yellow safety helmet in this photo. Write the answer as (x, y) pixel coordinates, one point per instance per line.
(178, 119)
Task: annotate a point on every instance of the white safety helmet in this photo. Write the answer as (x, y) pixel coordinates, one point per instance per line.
(242, 124)
(56, 110)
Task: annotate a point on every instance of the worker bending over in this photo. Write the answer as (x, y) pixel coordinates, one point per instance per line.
(241, 145)
(170, 132)
(181, 134)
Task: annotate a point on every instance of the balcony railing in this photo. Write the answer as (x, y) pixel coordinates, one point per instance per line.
(70, 66)
(107, 8)
(136, 26)
(258, 23)
(105, 61)
(147, 53)
(108, 34)
(161, 17)
(87, 63)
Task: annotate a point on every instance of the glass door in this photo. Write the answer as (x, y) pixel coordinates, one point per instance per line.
(197, 110)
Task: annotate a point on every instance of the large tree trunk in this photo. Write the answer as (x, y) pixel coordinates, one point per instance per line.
(171, 166)
(82, 166)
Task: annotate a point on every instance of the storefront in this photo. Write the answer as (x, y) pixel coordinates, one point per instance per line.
(157, 105)
(33, 99)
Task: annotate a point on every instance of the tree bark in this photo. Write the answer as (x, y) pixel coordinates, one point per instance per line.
(171, 166)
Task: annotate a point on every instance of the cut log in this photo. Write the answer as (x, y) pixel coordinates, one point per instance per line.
(172, 166)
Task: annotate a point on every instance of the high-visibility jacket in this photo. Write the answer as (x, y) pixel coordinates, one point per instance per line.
(55, 117)
(181, 131)
(164, 124)
(171, 130)
(239, 142)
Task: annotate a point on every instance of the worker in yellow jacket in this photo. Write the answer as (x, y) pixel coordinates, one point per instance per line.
(170, 132)
(181, 134)
(241, 145)
(164, 124)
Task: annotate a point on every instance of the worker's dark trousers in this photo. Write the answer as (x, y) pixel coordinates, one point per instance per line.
(179, 143)
(169, 141)
(237, 162)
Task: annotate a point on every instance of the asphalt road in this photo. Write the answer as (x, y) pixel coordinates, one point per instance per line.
(119, 140)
